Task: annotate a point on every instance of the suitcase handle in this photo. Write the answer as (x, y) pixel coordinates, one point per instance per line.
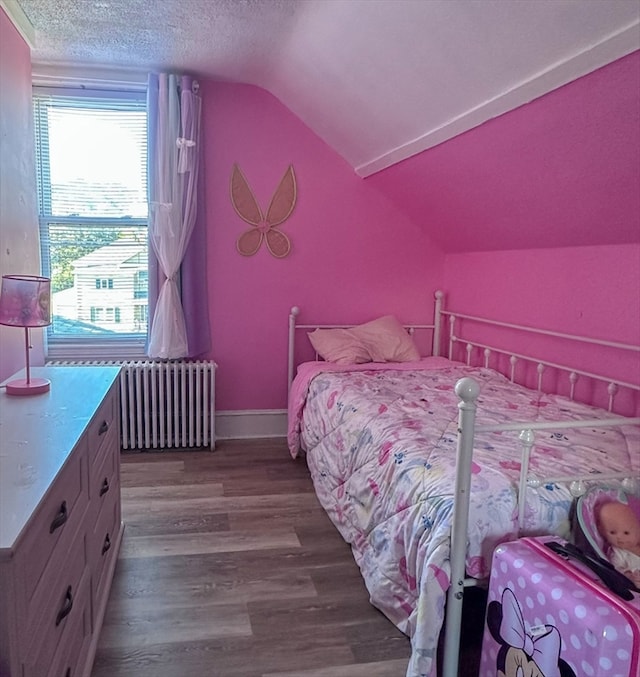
(617, 582)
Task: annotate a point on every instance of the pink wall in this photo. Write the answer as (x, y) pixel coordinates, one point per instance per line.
(547, 183)
(354, 255)
(592, 291)
(561, 171)
(19, 252)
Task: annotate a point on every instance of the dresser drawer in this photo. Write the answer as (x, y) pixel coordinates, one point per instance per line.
(70, 653)
(105, 479)
(102, 475)
(47, 543)
(101, 424)
(66, 594)
(101, 544)
(71, 657)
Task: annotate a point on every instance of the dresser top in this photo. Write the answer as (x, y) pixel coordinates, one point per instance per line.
(37, 435)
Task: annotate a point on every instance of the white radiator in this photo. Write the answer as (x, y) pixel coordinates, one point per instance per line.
(164, 404)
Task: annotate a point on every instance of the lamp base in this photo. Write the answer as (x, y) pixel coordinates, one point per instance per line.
(34, 386)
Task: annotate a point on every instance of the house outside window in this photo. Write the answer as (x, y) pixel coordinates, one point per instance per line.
(104, 284)
(91, 158)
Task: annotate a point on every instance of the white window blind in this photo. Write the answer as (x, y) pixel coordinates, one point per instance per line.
(91, 155)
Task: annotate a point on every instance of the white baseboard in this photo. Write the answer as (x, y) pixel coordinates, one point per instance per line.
(251, 423)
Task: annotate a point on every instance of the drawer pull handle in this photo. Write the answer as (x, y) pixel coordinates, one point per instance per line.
(66, 607)
(103, 428)
(60, 518)
(105, 487)
(107, 544)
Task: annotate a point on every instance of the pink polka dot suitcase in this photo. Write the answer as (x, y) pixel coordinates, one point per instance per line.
(549, 616)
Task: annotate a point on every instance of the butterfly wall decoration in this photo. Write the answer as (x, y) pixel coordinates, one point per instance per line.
(264, 227)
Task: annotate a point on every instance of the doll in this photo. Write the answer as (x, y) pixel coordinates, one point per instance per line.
(620, 528)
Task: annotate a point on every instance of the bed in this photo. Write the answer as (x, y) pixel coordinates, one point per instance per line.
(426, 464)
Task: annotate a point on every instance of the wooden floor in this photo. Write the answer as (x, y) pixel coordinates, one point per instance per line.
(229, 567)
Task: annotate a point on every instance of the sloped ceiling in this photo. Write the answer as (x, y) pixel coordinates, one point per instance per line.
(562, 171)
(383, 80)
(378, 80)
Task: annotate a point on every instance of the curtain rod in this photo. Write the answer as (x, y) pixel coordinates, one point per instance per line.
(65, 76)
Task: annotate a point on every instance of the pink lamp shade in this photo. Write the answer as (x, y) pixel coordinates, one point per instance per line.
(25, 301)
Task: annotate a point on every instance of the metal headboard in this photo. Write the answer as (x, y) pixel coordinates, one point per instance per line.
(455, 322)
(294, 327)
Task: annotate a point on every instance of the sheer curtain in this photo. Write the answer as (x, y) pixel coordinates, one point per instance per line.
(174, 151)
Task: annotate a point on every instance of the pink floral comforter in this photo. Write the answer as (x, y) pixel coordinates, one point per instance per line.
(380, 442)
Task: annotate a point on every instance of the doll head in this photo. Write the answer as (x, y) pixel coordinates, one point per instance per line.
(619, 526)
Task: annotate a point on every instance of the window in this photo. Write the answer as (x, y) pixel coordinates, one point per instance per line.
(104, 284)
(91, 156)
(141, 284)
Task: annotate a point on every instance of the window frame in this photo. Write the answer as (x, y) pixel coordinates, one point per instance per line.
(120, 346)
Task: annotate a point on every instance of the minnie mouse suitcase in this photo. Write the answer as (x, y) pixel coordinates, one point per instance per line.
(551, 616)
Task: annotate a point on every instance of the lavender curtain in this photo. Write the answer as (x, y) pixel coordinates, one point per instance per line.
(178, 306)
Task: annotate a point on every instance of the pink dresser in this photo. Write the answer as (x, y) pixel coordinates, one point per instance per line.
(60, 525)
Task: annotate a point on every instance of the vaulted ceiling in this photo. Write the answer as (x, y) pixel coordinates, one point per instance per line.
(379, 80)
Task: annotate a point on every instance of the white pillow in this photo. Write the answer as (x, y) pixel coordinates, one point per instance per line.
(339, 346)
(386, 340)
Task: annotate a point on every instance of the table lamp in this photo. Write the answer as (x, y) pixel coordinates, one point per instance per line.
(25, 301)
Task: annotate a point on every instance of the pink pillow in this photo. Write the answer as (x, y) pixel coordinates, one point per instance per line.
(339, 345)
(386, 340)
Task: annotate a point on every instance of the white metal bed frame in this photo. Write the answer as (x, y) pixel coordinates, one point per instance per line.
(467, 391)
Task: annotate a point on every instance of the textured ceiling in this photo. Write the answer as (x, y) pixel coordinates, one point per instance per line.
(378, 80)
